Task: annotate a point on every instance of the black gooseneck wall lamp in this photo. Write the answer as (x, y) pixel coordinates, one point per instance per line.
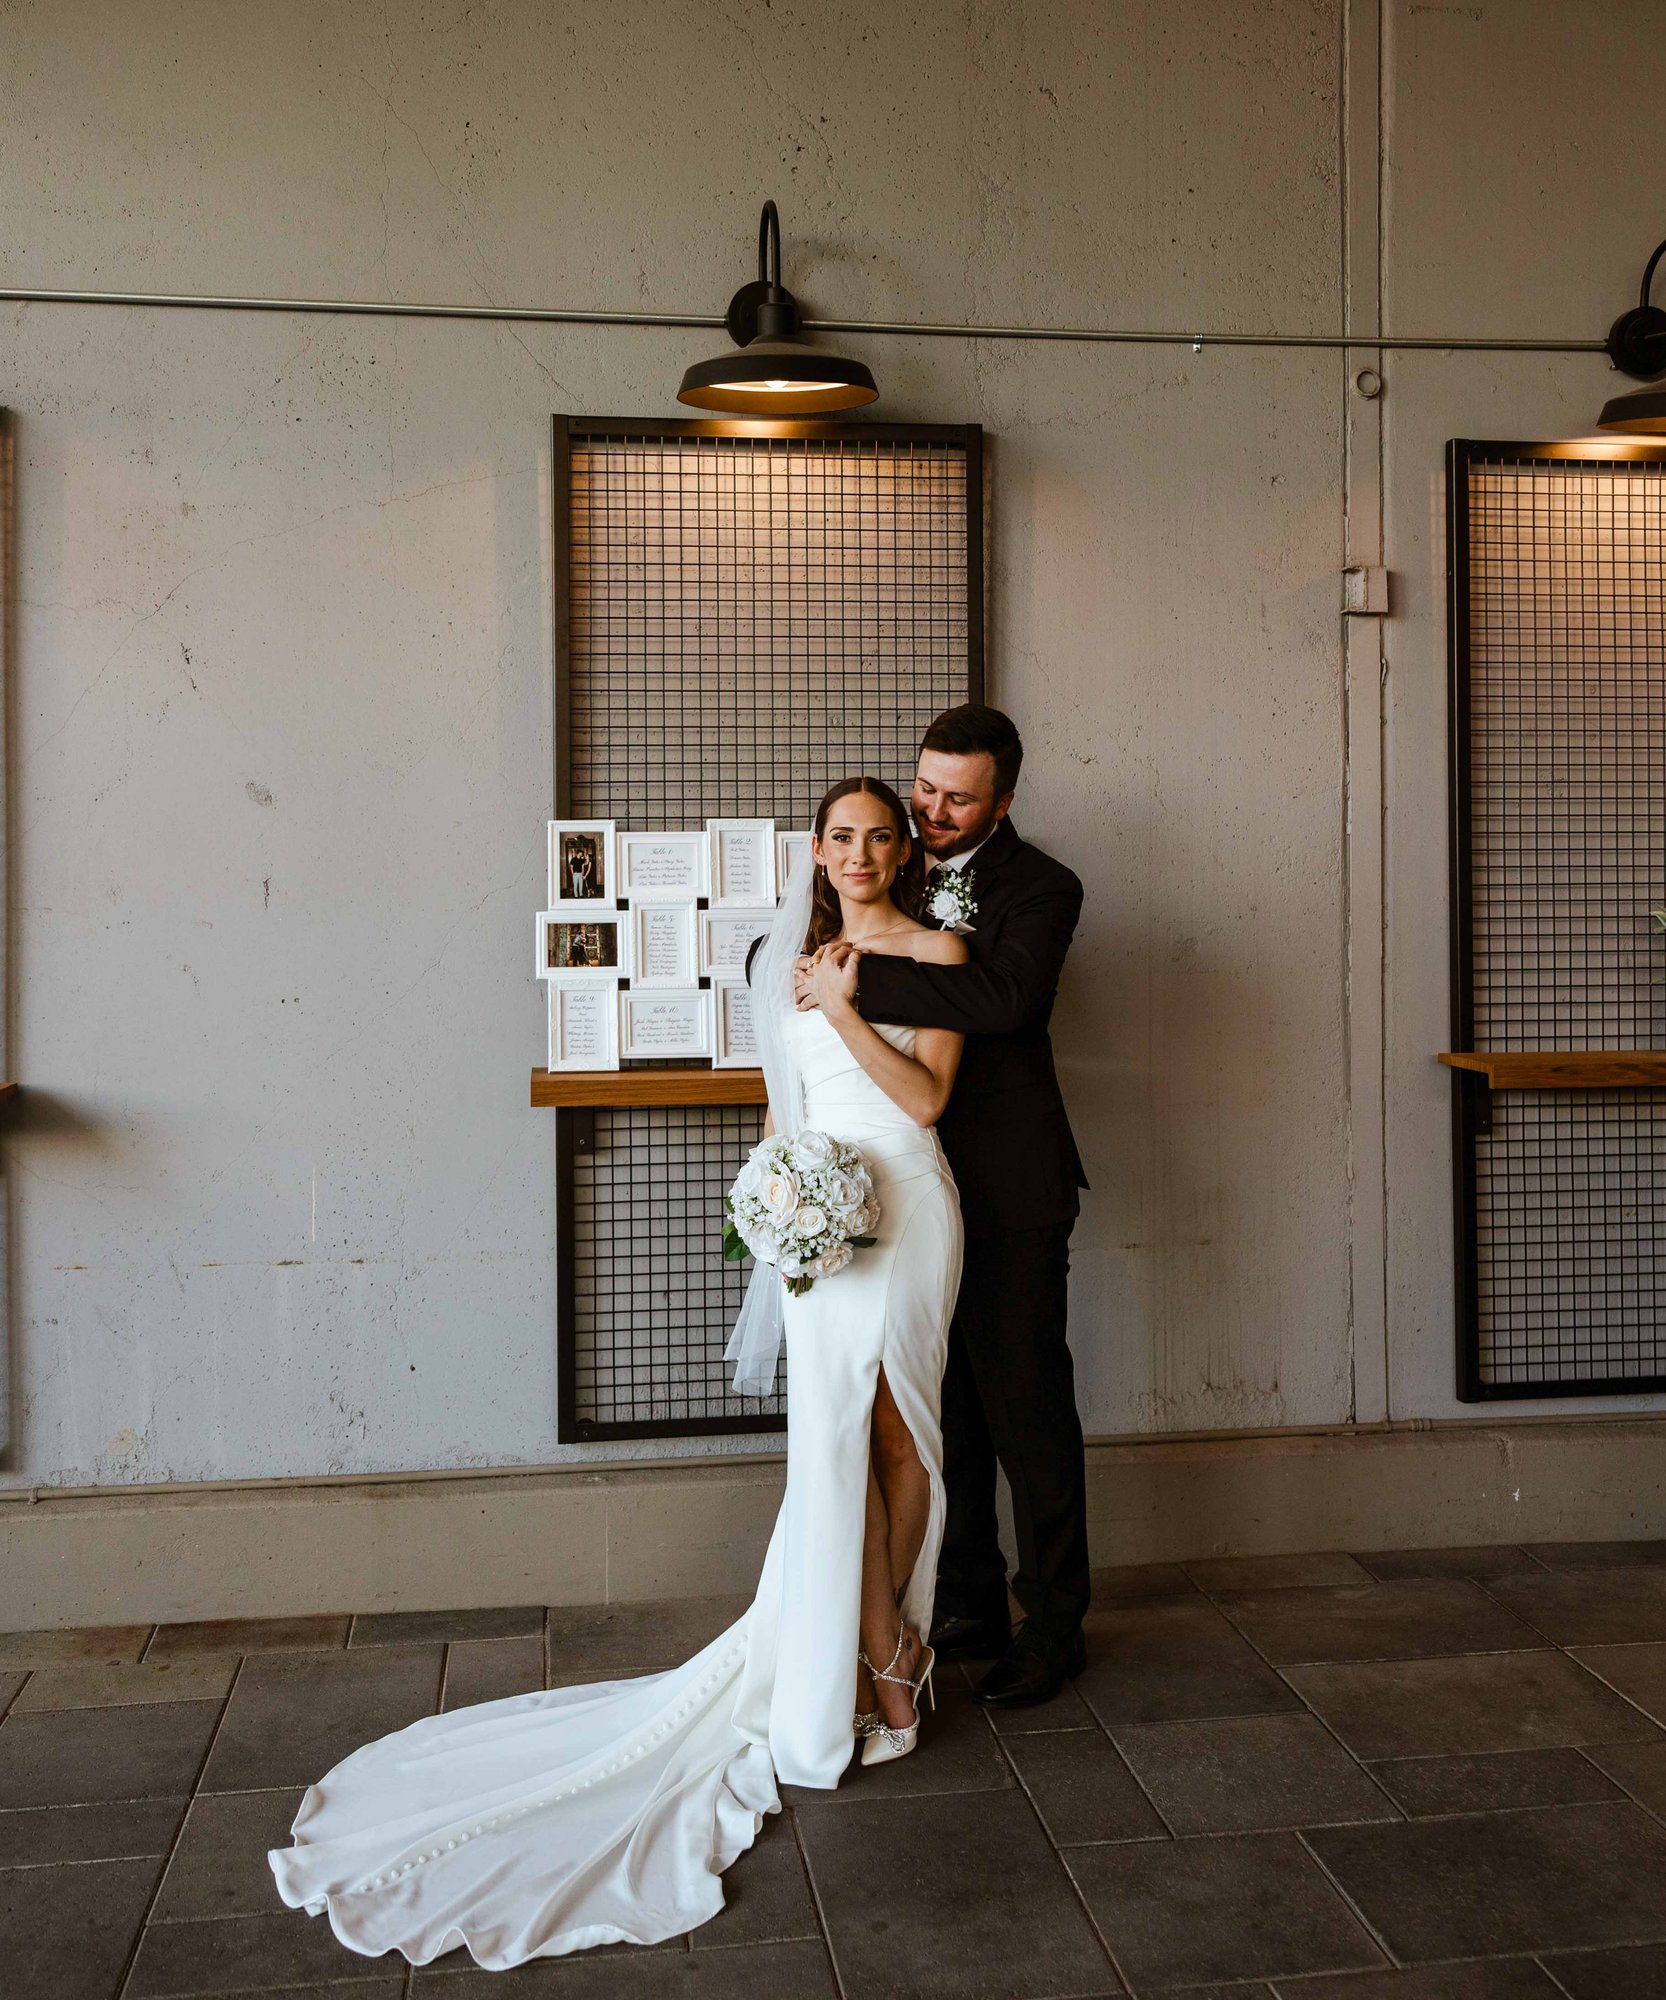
(1637, 346)
(772, 371)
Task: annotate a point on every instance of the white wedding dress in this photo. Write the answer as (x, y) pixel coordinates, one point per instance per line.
(545, 1823)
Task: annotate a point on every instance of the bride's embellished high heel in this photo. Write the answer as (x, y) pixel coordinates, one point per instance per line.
(883, 1743)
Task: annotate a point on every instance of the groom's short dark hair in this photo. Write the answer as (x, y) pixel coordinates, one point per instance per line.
(964, 731)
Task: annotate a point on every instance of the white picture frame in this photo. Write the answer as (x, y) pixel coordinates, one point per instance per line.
(585, 945)
(592, 844)
(664, 946)
(662, 865)
(661, 1024)
(788, 845)
(740, 862)
(725, 936)
(734, 1039)
(584, 1025)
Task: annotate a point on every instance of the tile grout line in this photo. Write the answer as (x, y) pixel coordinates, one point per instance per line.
(1348, 1902)
(1399, 1659)
(1058, 1853)
(1550, 1974)
(1566, 1653)
(1603, 1681)
(125, 1976)
(822, 1928)
(1582, 1750)
(1550, 1645)
(1145, 1790)
(10, 1702)
(1397, 1811)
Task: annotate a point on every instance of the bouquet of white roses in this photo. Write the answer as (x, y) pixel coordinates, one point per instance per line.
(805, 1205)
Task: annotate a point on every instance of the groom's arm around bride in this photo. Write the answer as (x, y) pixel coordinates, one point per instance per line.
(1002, 1001)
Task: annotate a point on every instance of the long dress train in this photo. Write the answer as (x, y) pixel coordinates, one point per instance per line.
(545, 1823)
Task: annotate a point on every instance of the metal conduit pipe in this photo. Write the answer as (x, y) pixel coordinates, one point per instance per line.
(903, 329)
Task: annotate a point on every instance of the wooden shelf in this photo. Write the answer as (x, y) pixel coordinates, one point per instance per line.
(598, 1087)
(1567, 1069)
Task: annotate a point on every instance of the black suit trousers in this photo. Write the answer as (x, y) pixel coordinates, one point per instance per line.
(1009, 1396)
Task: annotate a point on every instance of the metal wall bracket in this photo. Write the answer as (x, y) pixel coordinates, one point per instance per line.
(1364, 592)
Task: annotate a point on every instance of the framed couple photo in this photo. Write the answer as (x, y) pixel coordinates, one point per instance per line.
(583, 864)
(581, 949)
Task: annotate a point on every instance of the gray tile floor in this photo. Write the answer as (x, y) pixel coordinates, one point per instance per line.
(1424, 1775)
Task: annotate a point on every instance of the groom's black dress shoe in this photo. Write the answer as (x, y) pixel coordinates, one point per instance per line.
(1030, 1671)
(958, 1638)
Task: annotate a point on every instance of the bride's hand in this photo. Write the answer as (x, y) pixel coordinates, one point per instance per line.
(804, 991)
(834, 974)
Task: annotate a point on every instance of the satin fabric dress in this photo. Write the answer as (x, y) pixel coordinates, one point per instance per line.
(545, 1823)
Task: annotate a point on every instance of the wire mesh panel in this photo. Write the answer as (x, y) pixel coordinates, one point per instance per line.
(650, 1297)
(741, 619)
(1570, 1202)
(1559, 842)
(751, 618)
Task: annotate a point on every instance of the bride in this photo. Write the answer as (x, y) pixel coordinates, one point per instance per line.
(546, 1823)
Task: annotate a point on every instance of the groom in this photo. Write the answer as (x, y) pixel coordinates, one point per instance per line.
(1008, 1390)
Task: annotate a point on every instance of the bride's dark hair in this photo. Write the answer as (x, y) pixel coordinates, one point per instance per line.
(827, 918)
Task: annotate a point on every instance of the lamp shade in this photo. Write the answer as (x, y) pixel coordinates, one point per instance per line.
(1642, 413)
(771, 371)
(778, 378)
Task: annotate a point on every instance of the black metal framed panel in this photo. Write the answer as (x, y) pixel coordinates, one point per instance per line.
(1557, 785)
(743, 612)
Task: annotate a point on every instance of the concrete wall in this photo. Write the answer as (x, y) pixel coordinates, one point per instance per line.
(281, 718)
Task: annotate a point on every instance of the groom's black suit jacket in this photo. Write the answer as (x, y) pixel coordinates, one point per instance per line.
(1005, 1131)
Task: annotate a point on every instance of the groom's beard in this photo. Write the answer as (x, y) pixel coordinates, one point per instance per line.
(956, 841)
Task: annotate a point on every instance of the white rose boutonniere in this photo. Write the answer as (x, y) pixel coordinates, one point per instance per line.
(951, 900)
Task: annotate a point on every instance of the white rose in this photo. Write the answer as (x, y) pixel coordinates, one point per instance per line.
(844, 1192)
(812, 1149)
(792, 1265)
(830, 1262)
(750, 1179)
(945, 906)
(780, 1194)
(809, 1221)
(864, 1222)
